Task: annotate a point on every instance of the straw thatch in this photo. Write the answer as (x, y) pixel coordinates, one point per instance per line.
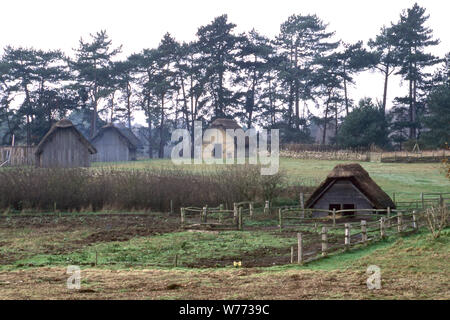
(224, 124)
(64, 124)
(128, 135)
(360, 178)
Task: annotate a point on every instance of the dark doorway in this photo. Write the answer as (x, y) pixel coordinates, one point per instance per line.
(348, 206)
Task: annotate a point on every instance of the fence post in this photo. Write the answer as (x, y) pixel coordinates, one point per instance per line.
(382, 232)
(250, 209)
(324, 242)
(235, 212)
(300, 248)
(171, 206)
(421, 198)
(205, 213)
(399, 222)
(266, 207)
(388, 216)
(280, 219)
(364, 231)
(414, 222)
(240, 219)
(441, 201)
(182, 217)
(347, 236)
(334, 217)
(302, 203)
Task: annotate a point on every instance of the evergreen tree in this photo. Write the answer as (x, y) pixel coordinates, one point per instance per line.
(218, 48)
(413, 38)
(92, 67)
(364, 126)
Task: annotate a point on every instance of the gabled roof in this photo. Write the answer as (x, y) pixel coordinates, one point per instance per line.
(64, 124)
(360, 178)
(128, 135)
(131, 136)
(224, 124)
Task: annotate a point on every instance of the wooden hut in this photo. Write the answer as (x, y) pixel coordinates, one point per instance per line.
(64, 147)
(222, 150)
(115, 144)
(347, 187)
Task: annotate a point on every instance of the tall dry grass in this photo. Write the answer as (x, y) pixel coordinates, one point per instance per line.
(143, 189)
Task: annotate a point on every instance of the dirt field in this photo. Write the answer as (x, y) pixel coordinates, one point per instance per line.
(35, 252)
(50, 283)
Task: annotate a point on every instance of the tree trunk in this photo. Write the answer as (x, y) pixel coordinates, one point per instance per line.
(386, 77)
(161, 130)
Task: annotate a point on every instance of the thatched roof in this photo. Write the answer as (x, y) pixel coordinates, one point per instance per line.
(64, 124)
(128, 135)
(360, 178)
(224, 124)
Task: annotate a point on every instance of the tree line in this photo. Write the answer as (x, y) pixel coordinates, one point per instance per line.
(264, 82)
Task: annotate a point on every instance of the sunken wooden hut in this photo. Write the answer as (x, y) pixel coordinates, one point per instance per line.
(347, 187)
(115, 144)
(222, 150)
(64, 147)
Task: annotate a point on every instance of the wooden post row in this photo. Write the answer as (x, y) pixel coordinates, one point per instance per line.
(324, 241)
(364, 231)
(334, 217)
(388, 223)
(300, 248)
(182, 216)
(240, 219)
(280, 219)
(347, 236)
(414, 221)
(399, 222)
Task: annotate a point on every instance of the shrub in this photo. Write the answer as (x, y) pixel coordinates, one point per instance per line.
(437, 220)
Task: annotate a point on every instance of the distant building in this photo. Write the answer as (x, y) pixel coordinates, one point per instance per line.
(348, 187)
(64, 147)
(317, 132)
(115, 144)
(221, 149)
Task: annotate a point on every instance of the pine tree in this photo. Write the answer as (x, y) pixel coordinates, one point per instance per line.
(92, 66)
(413, 38)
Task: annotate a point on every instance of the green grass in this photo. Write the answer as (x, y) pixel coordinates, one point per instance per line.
(161, 250)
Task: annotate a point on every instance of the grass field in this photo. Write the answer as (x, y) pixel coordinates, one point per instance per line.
(131, 256)
(407, 180)
(413, 267)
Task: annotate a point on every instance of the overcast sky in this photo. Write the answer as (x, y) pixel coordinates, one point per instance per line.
(52, 24)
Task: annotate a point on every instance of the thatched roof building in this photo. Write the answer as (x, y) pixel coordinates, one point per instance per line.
(348, 186)
(115, 144)
(64, 147)
(222, 150)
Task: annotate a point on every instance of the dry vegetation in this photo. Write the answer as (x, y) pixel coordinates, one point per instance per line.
(143, 189)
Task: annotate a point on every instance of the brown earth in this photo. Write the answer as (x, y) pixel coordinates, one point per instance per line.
(50, 283)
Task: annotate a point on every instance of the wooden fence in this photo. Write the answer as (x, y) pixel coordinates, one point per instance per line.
(347, 235)
(211, 218)
(17, 156)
